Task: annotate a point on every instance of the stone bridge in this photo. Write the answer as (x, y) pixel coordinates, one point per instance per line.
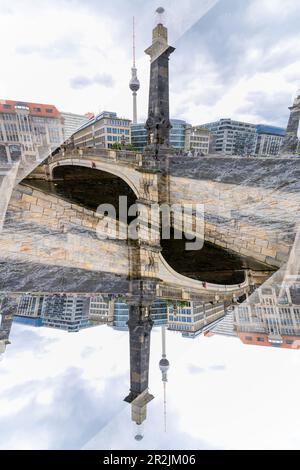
(251, 204)
(251, 215)
(46, 231)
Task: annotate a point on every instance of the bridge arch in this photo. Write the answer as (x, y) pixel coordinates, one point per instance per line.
(129, 176)
(134, 180)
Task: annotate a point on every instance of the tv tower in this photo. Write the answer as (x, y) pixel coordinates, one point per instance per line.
(134, 83)
(164, 367)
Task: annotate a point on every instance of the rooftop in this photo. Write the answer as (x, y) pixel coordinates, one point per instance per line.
(34, 109)
(102, 115)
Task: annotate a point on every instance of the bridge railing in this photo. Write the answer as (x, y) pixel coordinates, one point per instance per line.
(170, 277)
(121, 156)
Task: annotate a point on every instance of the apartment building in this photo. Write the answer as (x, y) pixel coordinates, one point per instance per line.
(103, 131)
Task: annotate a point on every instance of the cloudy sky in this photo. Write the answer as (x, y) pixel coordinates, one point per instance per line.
(61, 390)
(233, 58)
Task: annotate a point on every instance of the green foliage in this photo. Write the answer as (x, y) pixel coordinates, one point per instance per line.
(116, 146)
(129, 147)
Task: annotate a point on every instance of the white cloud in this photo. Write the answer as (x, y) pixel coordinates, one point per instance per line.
(71, 394)
(63, 58)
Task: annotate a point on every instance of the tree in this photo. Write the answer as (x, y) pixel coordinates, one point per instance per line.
(116, 146)
(129, 147)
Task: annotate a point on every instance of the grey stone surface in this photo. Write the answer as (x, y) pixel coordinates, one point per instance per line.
(36, 277)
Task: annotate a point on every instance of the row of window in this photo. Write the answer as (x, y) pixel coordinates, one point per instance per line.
(115, 130)
(262, 340)
(117, 122)
(116, 138)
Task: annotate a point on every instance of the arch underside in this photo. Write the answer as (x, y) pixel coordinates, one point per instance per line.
(129, 177)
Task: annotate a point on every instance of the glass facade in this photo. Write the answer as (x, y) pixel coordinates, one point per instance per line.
(177, 135)
(158, 309)
(245, 139)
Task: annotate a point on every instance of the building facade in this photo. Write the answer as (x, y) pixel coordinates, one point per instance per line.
(233, 137)
(270, 317)
(101, 309)
(245, 139)
(103, 131)
(29, 310)
(28, 130)
(177, 135)
(62, 311)
(72, 122)
(138, 136)
(269, 140)
(198, 140)
(66, 312)
(30, 305)
(121, 313)
(193, 318)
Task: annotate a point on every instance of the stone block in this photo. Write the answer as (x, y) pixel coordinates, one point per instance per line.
(76, 220)
(70, 212)
(77, 208)
(35, 208)
(43, 203)
(270, 252)
(50, 213)
(282, 257)
(28, 198)
(261, 243)
(24, 189)
(273, 262)
(65, 203)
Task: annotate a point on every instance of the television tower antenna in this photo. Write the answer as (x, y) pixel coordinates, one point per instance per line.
(134, 83)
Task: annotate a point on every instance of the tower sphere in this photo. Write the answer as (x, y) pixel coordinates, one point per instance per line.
(160, 10)
(134, 84)
(164, 365)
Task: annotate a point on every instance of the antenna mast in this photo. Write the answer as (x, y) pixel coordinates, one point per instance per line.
(133, 40)
(134, 83)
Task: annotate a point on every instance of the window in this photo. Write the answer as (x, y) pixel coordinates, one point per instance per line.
(54, 135)
(49, 110)
(7, 106)
(38, 110)
(15, 152)
(261, 340)
(3, 155)
(248, 338)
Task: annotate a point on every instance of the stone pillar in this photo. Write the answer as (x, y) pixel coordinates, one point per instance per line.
(140, 325)
(290, 141)
(158, 123)
(8, 307)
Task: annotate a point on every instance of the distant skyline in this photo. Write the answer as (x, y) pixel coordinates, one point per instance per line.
(233, 58)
